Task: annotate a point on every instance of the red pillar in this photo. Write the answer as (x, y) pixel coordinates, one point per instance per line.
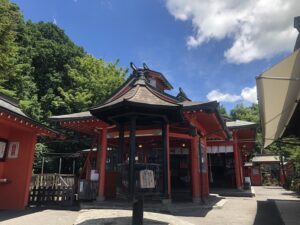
(205, 175)
(101, 182)
(195, 169)
(236, 162)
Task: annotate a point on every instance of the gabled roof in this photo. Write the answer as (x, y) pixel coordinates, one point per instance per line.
(160, 76)
(10, 107)
(140, 94)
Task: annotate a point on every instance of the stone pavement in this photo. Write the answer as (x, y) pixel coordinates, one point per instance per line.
(123, 217)
(287, 203)
(38, 216)
(270, 206)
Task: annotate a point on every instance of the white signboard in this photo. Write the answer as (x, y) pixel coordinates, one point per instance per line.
(94, 175)
(13, 150)
(147, 179)
(2, 149)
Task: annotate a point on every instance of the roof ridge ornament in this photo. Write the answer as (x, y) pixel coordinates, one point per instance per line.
(139, 74)
(181, 96)
(297, 26)
(145, 66)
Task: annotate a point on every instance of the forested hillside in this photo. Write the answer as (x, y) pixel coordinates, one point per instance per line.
(50, 75)
(46, 71)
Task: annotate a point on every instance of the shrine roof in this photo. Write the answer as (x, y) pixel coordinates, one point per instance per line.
(10, 106)
(140, 91)
(161, 77)
(73, 116)
(265, 158)
(139, 95)
(196, 105)
(240, 124)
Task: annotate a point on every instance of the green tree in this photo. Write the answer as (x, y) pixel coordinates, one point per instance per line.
(251, 114)
(49, 74)
(92, 80)
(241, 112)
(10, 19)
(222, 110)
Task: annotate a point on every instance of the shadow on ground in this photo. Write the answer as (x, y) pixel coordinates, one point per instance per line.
(12, 214)
(119, 221)
(177, 208)
(267, 213)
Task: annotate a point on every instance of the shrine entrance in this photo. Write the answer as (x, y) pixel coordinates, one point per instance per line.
(221, 170)
(180, 166)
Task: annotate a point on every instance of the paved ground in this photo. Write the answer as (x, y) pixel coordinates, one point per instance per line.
(38, 217)
(260, 210)
(270, 206)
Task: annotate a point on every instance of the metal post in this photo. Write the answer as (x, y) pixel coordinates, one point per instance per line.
(131, 171)
(43, 162)
(73, 166)
(138, 204)
(138, 211)
(59, 170)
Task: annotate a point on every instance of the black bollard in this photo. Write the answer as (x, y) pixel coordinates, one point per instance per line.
(138, 211)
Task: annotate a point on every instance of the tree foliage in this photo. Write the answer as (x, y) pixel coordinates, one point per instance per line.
(241, 112)
(287, 148)
(50, 75)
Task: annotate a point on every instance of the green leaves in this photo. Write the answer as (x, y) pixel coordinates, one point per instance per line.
(241, 112)
(46, 71)
(49, 74)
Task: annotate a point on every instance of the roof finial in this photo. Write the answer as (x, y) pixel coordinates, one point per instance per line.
(297, 26)
(181, 96)
(145, 66)
(133, 66)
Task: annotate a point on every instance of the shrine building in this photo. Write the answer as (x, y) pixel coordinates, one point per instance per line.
(187, 144)
(18, 134)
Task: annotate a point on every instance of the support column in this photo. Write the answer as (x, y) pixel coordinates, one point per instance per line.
(166, 160)
(121, 143)
(195, 169)
(101, 182)
(131, 170)
(236, 161)
(205, 179)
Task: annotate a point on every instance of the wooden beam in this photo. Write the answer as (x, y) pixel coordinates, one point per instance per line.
(180, 136)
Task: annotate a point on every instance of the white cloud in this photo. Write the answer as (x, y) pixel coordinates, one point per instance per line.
(247, 94)
(258, 28)
(54, 21)
(216, 95)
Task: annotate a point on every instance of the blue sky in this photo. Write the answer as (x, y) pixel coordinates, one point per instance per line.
(212, 51)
